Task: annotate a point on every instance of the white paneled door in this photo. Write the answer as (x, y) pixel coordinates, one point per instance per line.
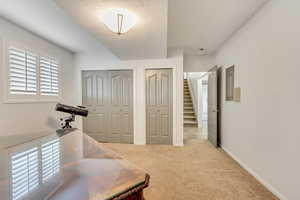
(159, 106)
(108, 95)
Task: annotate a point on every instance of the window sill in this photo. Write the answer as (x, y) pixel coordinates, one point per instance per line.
(31, 101)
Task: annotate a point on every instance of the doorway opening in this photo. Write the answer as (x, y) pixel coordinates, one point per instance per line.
(195, 106)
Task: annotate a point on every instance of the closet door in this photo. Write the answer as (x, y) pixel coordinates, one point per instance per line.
(121, 107)
(159, 106)
(95, 98)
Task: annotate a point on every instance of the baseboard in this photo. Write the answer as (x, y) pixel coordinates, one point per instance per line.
(178, 144)
(253, 173)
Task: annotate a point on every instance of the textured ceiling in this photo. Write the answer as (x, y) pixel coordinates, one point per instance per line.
(148, 39)
(174, 24)
(194, 24)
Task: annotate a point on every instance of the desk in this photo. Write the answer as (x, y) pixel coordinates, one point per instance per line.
(88, 170)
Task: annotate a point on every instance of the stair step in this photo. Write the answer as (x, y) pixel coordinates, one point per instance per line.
(189, 117)
(190, 122)
(188, 107)
(189, 112)
(190, 125)
(186, 113)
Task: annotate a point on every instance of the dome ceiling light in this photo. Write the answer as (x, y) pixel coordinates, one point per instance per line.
(119, 20)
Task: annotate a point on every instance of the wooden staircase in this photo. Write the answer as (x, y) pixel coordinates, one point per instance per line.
(189, 114)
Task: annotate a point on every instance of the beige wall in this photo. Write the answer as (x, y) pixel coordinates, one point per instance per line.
(262, 132)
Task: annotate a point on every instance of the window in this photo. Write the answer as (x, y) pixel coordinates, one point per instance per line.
(50, 159)
(22, 72)
(24, 173)
(30, 76)
(49, 76)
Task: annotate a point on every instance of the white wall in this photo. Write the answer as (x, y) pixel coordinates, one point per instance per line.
(262, 132)
(197, 63)
(90, 62)
(33, 117)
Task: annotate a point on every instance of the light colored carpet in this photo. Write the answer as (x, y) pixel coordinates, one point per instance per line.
(196, 171)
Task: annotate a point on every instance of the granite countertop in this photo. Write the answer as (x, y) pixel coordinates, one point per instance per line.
(88, 170)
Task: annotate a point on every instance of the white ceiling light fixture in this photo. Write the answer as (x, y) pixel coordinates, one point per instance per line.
(119, 20)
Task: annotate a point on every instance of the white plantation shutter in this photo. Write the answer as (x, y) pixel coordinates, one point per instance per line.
(24, 173)
(22, 71)
(50, 159)
(49, 83)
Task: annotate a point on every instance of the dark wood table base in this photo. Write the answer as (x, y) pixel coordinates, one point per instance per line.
(135, 193)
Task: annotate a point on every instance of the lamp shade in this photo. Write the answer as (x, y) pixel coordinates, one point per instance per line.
(119, 20)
